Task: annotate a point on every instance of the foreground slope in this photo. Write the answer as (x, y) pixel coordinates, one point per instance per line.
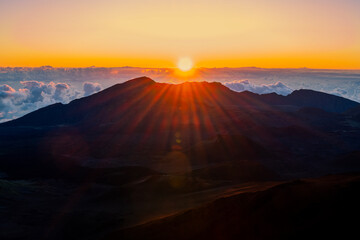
(321, 208)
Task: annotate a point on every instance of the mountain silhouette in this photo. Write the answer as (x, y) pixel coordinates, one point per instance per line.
(310, 98)
(143, 96)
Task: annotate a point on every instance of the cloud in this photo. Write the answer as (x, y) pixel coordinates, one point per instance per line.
(302, 78)
(90, 88)
(36, 94)
(339, 92)
(9, 100)
(36, 90)
(5, 90)
(8, 92)
(245, 85)
(61, 92)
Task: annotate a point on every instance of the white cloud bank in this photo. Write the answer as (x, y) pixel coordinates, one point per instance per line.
(245, 85)
(90, 88)
(35, 94)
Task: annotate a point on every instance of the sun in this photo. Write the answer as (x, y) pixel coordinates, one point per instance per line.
(185, 64)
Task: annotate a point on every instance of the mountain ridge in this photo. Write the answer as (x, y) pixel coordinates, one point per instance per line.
(144, 87)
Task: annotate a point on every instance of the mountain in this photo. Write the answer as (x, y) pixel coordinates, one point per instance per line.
(312, 99)
(205, 122)
(189, 161)
(325, 101)
(144, 95)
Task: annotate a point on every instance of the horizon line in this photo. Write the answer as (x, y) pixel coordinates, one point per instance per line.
(42, 66)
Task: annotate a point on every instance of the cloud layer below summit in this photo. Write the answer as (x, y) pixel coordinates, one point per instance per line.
(33, 95)
(23, 90)
(245, 85)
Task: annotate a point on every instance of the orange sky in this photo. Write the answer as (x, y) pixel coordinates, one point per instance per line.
(156, 33)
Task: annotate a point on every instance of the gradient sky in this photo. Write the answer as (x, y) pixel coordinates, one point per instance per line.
(156, 33)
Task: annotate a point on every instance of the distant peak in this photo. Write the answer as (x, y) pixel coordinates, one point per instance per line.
(137, 82)
(304, 90)
(309, 92)
(142, 80)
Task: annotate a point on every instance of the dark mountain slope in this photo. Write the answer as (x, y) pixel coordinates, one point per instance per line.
(307, 98)
(80, 109)
(354, 113)
(323, 208)
(327, 102)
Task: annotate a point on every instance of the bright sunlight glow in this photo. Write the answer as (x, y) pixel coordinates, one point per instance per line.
(185, 64)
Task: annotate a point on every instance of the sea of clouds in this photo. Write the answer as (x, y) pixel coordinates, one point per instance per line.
(34, 94)
(23, 90)
(246, 85)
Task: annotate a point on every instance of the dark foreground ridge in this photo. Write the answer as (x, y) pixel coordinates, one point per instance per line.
(322, 208)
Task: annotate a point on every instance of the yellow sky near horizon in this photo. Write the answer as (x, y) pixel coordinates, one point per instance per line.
(144, 33)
